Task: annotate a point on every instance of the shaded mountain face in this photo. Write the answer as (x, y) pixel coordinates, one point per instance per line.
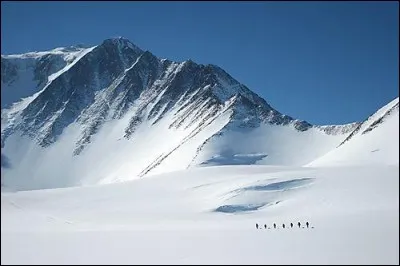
(110, 78)
(24, 74)
(115, 92)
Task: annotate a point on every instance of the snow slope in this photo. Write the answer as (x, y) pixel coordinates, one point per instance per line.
(208, 215)
(375, 141)
(269, 145)
(113, 158)
(25, 74)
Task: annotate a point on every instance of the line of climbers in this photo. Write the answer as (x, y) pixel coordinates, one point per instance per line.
(283, 225)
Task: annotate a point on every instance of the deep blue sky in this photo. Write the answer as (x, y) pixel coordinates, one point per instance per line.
(324, 62)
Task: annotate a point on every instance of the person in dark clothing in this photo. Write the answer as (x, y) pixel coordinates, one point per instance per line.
(265, 226)
(256, 225)
(299, 224)
(283, 225)
(274, 225)
(291, 225)
(307, 224)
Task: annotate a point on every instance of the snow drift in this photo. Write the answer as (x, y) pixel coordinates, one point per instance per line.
(208, 215)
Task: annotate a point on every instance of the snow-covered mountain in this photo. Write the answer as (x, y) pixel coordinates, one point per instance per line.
(81, 116)
(374, 141)
(113, 112)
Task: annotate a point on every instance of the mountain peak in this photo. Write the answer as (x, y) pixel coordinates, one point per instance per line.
(118, 39)
(121, 42)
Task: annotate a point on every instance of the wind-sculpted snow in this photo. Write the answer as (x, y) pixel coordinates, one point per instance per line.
(239, 208)
(254, 197)
(234, 159)
(280, 186)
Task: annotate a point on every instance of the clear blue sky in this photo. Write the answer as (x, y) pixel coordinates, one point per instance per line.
(324, 62)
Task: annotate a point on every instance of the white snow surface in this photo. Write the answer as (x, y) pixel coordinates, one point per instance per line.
(67, 52)
(281, 145)
(208, 215)
(378, 146)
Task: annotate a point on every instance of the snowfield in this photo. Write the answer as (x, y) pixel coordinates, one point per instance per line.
(181, 217)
